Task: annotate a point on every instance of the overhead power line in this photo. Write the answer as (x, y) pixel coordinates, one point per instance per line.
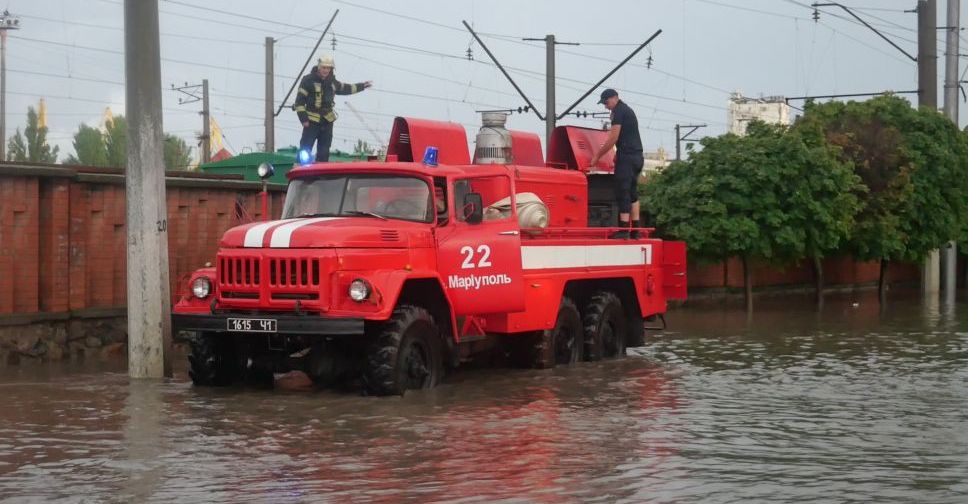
(415, 50)
(386, 46)
(121, 29)
(255, 72)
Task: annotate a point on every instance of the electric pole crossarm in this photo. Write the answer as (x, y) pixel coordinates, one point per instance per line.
(306, 64)
(692, 129)
(865, 23)
(496, 62)
(609, 74)
(680, 137)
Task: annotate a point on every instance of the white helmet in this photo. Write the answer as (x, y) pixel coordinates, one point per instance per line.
(326, 61)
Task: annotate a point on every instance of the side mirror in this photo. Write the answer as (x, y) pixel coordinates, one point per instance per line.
(265, 170)
(473, 208)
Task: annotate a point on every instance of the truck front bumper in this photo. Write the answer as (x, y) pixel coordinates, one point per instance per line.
(285, 324)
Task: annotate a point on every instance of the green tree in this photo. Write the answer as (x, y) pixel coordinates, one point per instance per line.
(32, 146)
(914, 164)
(823, 198)
(94, 147)
(17, 148)
(89, 147)
(770, 196)
(363, 148)
(178, 155)
(116, 141)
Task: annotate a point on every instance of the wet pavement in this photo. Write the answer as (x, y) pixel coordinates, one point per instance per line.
(851, 403)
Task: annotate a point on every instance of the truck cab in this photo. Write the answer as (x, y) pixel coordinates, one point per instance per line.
(389, 272)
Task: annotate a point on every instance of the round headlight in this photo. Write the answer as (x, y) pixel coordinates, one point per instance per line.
(359, 290)
(265, 170)
(201, 287)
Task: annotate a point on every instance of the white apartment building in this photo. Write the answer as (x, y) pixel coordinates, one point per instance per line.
(742, 110)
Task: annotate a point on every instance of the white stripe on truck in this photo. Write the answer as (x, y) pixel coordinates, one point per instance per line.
(584, 256)
(257, 233)
(282, 235)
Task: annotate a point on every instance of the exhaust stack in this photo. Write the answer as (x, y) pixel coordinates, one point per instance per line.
(493, 140)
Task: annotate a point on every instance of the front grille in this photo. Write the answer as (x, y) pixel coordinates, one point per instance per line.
(239, 271)
(297, 272)
(300, 297)
(240, 295)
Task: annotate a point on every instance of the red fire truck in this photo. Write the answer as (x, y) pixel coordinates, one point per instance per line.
(391, 271)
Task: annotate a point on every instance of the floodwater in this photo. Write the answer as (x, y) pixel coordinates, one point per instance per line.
(851, 403)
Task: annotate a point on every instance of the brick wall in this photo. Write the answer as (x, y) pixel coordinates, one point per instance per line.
(19, 245)
(837, 271)
(62, 234)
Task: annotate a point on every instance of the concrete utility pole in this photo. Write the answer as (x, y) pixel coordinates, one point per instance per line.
(949, 259)
(192, 91)
(927, 54)
(206, 125)
(550, 119)
(550, 107)
(270, 97)
(7, 22)
(149, 310)
(928, 97)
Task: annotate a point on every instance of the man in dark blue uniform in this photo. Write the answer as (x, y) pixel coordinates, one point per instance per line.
(624, 136)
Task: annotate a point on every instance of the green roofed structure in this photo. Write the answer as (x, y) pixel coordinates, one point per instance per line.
(283, 159)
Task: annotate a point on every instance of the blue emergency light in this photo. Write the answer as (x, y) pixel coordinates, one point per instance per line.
(430, 156)
(305, 157)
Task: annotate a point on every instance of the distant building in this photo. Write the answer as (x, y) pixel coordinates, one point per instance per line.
(742, 110)
(655, 161)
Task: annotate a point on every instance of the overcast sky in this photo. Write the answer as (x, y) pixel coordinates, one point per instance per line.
(71, 53)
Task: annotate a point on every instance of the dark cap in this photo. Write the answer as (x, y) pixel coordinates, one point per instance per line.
(608, 93)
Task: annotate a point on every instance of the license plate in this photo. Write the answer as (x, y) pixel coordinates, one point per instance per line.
(251, 325)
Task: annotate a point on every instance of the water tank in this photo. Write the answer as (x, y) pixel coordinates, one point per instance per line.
(493, 140)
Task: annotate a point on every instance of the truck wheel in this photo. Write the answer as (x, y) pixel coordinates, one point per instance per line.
(605, 327)
(636, 331)
(405, 354)
(563, 344)
(212, 362)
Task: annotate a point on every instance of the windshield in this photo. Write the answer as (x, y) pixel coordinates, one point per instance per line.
(378, 196)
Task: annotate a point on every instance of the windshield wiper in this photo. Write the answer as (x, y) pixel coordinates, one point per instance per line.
(369, 214)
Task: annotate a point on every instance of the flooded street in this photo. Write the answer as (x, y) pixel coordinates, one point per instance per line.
(851, 403)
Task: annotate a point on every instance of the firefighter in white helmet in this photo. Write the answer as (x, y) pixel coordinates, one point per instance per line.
(314, 106)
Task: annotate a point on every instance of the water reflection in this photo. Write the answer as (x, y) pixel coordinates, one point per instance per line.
(849, 403)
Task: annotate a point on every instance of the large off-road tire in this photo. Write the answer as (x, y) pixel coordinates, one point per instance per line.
(404, 354)
(606, 327)
(212, 362)
(636, 334)
(564, 343)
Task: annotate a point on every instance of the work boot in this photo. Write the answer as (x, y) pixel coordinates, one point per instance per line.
(635, 230)
(620, 235)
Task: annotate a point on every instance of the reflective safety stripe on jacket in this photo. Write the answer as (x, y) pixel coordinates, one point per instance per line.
(314, 100)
